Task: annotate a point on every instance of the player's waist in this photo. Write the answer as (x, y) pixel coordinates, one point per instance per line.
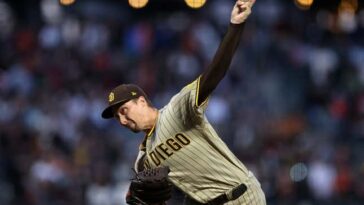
(229, 194)
(233, 194)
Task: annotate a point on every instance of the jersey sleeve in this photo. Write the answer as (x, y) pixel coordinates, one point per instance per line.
(185, 103)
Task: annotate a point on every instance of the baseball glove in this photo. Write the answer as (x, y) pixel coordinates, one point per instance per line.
(150, 187)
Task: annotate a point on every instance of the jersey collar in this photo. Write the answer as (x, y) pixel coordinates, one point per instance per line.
(147, 135)
(151, 131)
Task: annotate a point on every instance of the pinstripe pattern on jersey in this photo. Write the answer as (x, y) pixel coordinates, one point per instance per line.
(203, 167)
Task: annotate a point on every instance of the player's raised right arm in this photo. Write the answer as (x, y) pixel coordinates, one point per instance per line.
(215, 72)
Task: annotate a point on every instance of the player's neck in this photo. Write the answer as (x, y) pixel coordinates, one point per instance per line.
(152, 120)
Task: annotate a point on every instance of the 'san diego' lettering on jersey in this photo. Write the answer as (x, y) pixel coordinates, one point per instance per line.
(166, 149)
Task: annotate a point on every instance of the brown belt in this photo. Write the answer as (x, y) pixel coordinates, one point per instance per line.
(223, 198)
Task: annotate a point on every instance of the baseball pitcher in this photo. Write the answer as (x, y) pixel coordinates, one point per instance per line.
(180, 146)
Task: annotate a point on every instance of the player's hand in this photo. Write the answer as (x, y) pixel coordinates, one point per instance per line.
(241, 11)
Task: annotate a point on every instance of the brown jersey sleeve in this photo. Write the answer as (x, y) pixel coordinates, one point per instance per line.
(215, 72)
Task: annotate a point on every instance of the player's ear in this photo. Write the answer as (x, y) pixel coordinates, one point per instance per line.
(145, 101)
(142, 99)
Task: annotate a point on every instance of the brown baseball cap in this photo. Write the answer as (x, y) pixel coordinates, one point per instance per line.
(120, 95)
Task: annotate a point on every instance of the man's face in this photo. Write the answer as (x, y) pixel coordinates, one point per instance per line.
(132, 114)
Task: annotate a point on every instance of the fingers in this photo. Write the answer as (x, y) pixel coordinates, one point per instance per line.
(242, 5)
(252, 1)
(245, 2)
(241, 11)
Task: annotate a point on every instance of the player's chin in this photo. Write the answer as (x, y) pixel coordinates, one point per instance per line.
(135, 130)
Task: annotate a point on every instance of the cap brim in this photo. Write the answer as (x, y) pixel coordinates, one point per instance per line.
(108, 112)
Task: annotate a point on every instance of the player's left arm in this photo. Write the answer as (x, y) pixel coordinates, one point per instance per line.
(216, 71)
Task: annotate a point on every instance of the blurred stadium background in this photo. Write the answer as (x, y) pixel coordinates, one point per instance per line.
(291, 107)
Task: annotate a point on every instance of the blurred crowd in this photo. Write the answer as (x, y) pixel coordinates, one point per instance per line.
(291, 107)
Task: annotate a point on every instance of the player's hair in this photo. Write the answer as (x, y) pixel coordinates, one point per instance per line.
(149, 103)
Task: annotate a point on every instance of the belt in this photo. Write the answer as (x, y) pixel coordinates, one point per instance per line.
(224, 198)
